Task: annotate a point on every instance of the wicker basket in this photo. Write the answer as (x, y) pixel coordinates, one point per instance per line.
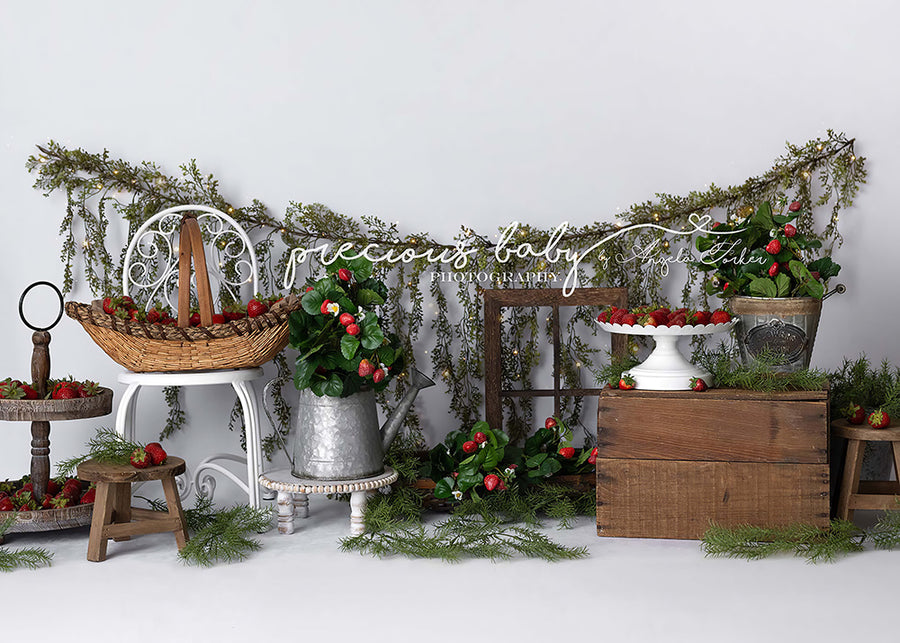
(142, 347)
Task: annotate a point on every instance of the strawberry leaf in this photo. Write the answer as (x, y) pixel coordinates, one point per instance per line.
(367, 298)
(372, 338)
(443, 488)
(763, 287)
(349, 345)
(312, 302)
(782, 285)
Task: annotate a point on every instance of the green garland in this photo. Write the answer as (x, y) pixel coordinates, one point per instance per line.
(821, 172)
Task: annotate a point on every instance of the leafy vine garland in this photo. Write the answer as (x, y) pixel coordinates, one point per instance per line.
(424, 308)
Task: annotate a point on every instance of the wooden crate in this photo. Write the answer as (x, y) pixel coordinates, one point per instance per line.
(670, 461)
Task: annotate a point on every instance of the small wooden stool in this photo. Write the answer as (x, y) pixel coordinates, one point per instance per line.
(115, 518)
(868, 494)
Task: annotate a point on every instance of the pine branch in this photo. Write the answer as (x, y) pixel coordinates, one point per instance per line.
(224, 538)
(105, 446)
(12, 559)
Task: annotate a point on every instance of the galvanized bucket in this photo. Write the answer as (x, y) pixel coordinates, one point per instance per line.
(784, 327)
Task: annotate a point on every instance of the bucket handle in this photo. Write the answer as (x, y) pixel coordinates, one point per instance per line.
(840, 289)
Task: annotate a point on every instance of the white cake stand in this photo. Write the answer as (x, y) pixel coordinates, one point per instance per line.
(666, 369)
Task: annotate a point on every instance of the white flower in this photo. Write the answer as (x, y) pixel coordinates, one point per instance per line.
(509, 472)
(383, 367)
(457, 494)
(360, 316)
(333, 308)
(482, 445)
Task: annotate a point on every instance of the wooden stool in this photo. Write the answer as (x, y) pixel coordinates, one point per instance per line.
(868, 494)
(115, 518)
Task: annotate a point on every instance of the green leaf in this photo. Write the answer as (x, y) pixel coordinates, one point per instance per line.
(361, 268)
(386, 355)
(347, 306)
(549, 467)
(493, 458)
(303, 373)
(334, 386)
(367, 298)
(782, 219)
(782, 284)
(825, 267)
(763, 287)
(372, 338)
(312, 302)
(763, 217)
(443, 488)
(349, 344)
(535, 461)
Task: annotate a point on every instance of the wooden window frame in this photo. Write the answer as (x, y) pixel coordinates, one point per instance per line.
(495, 300)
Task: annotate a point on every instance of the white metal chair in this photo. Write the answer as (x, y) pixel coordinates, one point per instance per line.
(151, 263)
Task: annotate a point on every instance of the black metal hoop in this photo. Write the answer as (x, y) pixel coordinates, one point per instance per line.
(22, 301)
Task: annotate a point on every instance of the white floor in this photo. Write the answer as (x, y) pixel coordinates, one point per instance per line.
(301, 587)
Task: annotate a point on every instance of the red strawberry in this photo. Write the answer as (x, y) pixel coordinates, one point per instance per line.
(697, 384)
(491, 481)
(153, 316)
(30, 393)
(109, 306)
(789, 230)
(89, 496)
(773, 247)
(626, 383)
(127, 301)
(378, 376)
(567, 452)
(678, 320)
(629, 320)
(233, 312)
(53, 487)
(60, 501)
(139, 459)
(365, 368)
(879, 419)
(700, 318)
(592, 459)
(255, 308)
(156, 452)
(28, 505)
(773, 269)
(550, 423)
(603, 317)
(6, 504)
(324, 307)
(470, 446)
(88, 389)
(346, 319)
(194, 319)
(26, 488)
(648, 320)
(353, 329)
(71, 489)
(47, 501)
(344, 274)
(218, 318)
(794, 206)
(616, 317)
(64, 391)
(720, 317)
(855, 413)
(479, 437)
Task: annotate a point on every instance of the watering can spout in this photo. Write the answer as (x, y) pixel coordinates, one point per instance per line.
(392, 425)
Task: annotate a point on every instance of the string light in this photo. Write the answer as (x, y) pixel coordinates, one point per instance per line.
(819, 147)
(805, 174)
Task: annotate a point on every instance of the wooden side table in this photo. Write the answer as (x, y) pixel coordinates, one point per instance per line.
(293, 498)
(866, 494)
(115, 518)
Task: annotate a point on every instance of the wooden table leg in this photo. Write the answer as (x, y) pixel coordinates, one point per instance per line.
(285, 504)
(301, 505)
(850, 482)
(358, 501)
(121, 501)
(173, 502)
(40, 458)
(103, 511)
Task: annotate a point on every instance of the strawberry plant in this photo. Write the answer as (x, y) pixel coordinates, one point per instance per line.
(339, 336)
(764, 255)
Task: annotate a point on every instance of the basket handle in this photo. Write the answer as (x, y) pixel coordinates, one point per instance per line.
(191, 243)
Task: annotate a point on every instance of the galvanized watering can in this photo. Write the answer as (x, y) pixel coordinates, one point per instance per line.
(338, 438)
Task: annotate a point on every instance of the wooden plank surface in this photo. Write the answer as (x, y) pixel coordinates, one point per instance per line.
(719, 394)
(675, 499)
(697, 427)
(51, 410)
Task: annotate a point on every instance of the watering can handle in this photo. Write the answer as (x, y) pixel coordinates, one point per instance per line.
(840, 289)
(276, 382)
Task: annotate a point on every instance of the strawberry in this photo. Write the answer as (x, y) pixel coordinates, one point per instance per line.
(855, 413)
(616, 317)
(720, 317)
(324, 307)
(879, 419)
(156, 452)
(194, 319)
(648, 320)
(567, 452)
(479, 437)
(26, 488)
(218, 318)
(629, 320)
(30, 393)
(53, 487)
(233, 312)
(6, 504)
(378, 376)
(352, 329)
(139, 459)
(89, 496)
(603, 317)
(346, 319)
(773, 247)
(550, 423)
(47, 501)
(60, 501)
(255, 308)
(698, 385)
(592, 459)
(470, 446)
(626, 383)
(789, 230)
(64, 391)
(110, 306)
(773, 269)
(794, 206)
(71, 489)
(660, 316)
(366, 368)
(491, 481)
(10, 390)
(699, 318)
(127, 302)
(88, 389)
(153, 316)
(344, 274)
(678, 320)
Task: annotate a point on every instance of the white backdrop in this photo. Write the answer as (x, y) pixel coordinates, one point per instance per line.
(438, 115)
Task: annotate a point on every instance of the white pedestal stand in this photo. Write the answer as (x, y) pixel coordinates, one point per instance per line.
(666, 369)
